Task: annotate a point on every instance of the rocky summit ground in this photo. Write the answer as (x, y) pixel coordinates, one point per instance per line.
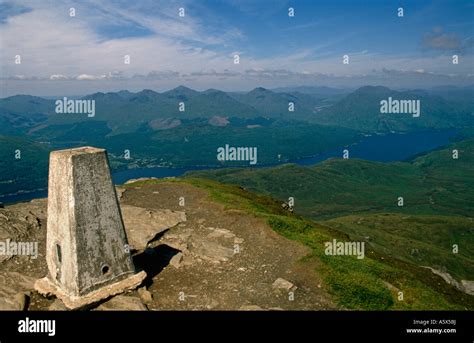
(200, 256)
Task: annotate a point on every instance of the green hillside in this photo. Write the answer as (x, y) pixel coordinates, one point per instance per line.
(275, 105)
(433, 184)
(372, 283)
(361, 110)
(28, 173)
(421, 239)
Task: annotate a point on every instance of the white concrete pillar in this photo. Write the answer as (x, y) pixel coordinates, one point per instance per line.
(87, 250)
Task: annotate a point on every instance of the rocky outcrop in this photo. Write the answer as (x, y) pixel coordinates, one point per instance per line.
(143, 225)
(283, 284)
(465, 286)
(21, 222)
(468, 286)
(204, 243)
(122, 303)
(15, 289)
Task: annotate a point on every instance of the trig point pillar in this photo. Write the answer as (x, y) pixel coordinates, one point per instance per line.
(86, 246)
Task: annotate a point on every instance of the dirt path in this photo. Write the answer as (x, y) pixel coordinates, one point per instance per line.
(246, 277)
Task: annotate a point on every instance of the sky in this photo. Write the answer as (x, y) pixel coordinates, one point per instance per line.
(81, 54)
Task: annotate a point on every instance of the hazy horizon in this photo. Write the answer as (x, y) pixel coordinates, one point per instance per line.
(274, 89)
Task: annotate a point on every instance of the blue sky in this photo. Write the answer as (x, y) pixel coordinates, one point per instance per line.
(82, 54)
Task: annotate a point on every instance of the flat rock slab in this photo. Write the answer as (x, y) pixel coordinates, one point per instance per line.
(20, 222)
(215, 245)
(13, 282)
(142, 225)
(13, 289)
(211, 251)
(16, 303)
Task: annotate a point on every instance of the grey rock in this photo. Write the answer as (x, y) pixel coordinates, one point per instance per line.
(122, 303)
(468, 286)
(283, 284)
(12, 283)
(17, 302)
(446, 277)
(465, 286)
(142, 225)
(145, 296)
(177, 260)
(120, 192)
(8, 305)
(211, 251)
(22, 300)
(218, 233)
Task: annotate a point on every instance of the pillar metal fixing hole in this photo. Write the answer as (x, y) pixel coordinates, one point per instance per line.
(58, 253)
(105, 270)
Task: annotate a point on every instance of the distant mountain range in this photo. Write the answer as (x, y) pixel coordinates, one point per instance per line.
(321, 91)
(125, 112)
(360, 110)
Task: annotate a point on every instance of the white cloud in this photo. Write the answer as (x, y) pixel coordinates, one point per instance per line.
(88, 77)
(58, 77)
(52, 43)
(56, 47)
